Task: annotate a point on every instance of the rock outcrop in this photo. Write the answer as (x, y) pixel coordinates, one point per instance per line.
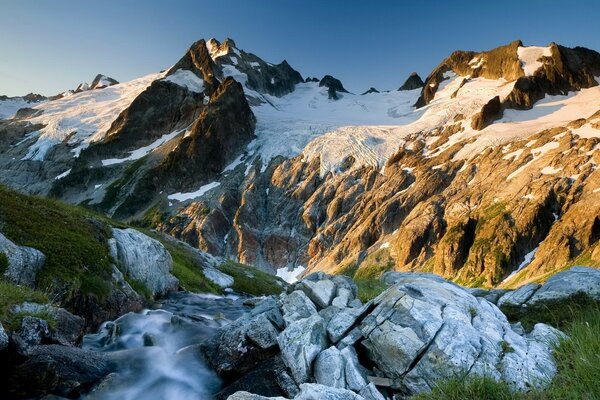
(143, 259)
(333, 85)
(413, 82)
(23, 262)
(418, 331)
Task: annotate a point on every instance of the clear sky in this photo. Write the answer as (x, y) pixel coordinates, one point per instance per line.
(47, 46)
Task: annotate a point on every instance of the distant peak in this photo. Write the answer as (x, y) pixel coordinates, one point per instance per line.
(218, 49)
(102, 81)
(371, 90)
(413, 82)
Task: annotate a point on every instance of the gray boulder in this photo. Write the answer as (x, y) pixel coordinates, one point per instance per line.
(218, 277)
(321, 292)
(300, 343)
(67, 329)
(519, 296)
(330, 368)
(143, 259)
(576, 280)
(424, 329)
(23, 262)
(295, 306)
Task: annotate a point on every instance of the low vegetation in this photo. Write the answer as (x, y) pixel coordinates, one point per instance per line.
(252, 280)
(577, 359)
(367, 275)
(73, 239)
(12, 295)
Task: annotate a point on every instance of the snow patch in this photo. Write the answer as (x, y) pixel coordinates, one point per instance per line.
(186, 79)
(290, 276)
(192, 195)
(142, 151)
(529, 57)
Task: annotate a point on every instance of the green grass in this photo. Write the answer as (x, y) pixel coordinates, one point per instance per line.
(73, 239)
(368, 289)
(559, 314)
(251, 280)
(185, 266)
(11, 295)
(112, 192)
(577, 360)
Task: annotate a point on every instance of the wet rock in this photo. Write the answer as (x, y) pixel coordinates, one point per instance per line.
(300, 343)
(271, 378)
(23, 262)
(3, 338)
(58, 370)
(67, 329)
(32, 331)
(144, 259)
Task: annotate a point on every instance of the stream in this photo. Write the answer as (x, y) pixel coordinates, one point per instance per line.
(155, 349)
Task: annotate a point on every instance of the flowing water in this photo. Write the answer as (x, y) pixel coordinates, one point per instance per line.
(156, 349)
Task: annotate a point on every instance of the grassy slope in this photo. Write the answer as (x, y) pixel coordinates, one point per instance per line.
(73, 239)
(251, 280)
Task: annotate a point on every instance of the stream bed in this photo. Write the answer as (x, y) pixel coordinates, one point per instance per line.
(156, 349)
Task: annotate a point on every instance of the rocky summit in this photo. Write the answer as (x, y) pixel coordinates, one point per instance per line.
(228, 228)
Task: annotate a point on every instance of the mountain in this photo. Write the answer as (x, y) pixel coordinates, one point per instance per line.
(485, 173)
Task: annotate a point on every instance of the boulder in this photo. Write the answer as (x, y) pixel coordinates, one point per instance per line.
(218, 277)
(67, 328)
(143, 259)
(55, 369)
(330, 368)
(576, 280)
(295, 306)
(235, 350)
(320, 292)
(424, 329)
(300, 343)
(518, 297)
(23, 262)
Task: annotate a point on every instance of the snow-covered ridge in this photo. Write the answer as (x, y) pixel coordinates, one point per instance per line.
(83, 118)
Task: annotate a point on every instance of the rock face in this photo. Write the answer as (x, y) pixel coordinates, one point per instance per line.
(143, 259)
(564, 70)
(420, 330)
(23, 262)
(333, 85)
(413, 82)
(102, 81)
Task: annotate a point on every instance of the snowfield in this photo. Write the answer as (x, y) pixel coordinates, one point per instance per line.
(83, 118)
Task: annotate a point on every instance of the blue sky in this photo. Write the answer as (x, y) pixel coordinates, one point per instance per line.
(47, 46)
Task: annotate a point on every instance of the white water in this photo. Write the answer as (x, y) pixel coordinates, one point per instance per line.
(155, 349)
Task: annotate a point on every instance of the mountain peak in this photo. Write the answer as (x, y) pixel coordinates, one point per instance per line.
(414, 81)
(102, 81)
